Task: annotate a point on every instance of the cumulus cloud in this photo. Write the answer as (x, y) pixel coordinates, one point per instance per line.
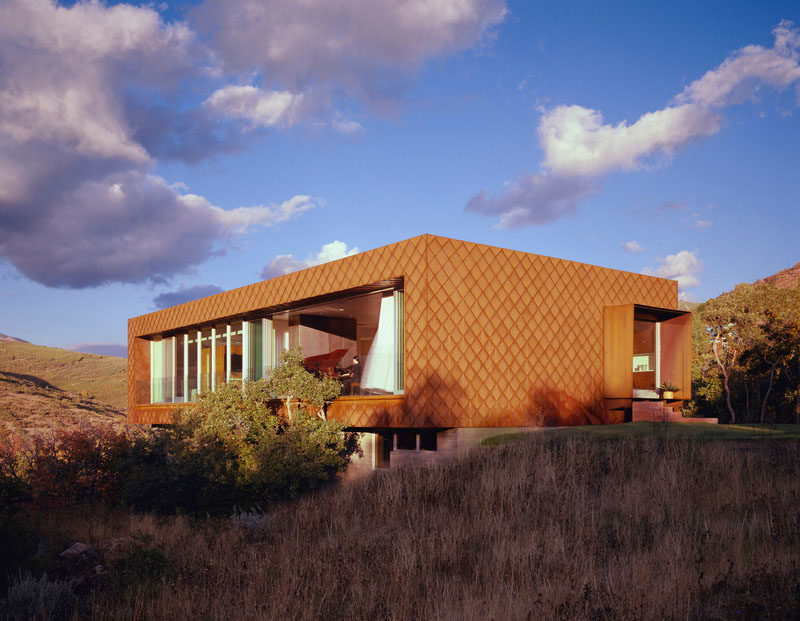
(126, 227)
(181, 296)
(741, 75)
(261, 108)
(684, 266)
(578, 143)
(632, 246)
(286, 263)
(367, 48)
(92, 96)
(79, 205)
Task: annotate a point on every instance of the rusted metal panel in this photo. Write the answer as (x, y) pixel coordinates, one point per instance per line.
(493, 337)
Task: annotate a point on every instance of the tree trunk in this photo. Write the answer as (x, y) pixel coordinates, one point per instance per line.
(725, 381)
(797, 397)
(769, 388)
(746, 400)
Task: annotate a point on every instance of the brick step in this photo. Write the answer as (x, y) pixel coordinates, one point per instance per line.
(660, 411)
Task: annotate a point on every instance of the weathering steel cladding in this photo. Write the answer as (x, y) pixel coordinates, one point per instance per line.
(489, 332)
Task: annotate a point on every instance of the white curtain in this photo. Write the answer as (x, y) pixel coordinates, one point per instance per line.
(379, 368)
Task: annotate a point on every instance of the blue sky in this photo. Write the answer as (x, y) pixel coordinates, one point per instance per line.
(152, 153)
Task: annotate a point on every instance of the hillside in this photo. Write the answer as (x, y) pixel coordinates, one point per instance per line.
(785, 279)
(30, 405)
(103, 378)
(44, 388)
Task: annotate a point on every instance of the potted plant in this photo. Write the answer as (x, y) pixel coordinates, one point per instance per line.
(668, 390)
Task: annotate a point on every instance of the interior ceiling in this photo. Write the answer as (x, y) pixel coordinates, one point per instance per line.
(327, 305)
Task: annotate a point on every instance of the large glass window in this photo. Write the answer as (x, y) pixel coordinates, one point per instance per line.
(220, 371)
(357, 339)
(644, 354)
(162, 370)
(205, 360)
(236, 352)
(191, 366)
(179, 369)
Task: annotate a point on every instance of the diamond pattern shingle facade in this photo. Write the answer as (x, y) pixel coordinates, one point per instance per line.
(493, 337)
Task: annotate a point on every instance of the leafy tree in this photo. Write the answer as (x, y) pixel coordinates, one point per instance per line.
(747, 353)
(291, 382)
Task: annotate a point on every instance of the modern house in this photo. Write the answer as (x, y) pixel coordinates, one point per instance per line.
(437, 341)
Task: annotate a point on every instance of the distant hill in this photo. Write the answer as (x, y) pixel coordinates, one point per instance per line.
(5, 337)
(104, 349)
(102, 378)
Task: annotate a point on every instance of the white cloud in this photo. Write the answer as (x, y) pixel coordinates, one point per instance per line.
(240, 220)
(684, 266)
(79, 205)
(92, 95)
(327, 55)
(632, 246)
(741, 74)
(579, 144)
(349, 43)
(261, 108)
(286, 263)
(576, 141)
(62, 69)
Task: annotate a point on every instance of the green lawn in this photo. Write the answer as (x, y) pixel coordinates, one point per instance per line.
(703, 431)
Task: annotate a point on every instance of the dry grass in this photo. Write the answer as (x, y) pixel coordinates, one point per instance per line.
(29, 407)
(544, 528)
(103, 378)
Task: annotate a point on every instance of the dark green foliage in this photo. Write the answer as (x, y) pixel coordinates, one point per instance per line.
(140, 563)
(746, 358)
(233, 449)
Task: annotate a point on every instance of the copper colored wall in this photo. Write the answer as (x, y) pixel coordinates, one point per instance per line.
(493, 337)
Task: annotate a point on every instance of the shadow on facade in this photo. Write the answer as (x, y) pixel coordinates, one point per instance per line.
(550, 407)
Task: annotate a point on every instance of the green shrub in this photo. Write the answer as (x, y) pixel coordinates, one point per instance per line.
(139, 563)
(233, 449)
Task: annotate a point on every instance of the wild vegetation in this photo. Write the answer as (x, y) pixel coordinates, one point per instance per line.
(31, 406)
(565, 527)
(746, 358)
(102, 378)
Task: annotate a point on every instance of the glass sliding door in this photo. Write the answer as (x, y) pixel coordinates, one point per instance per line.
(178, 376)
(236, 352)
(162, 370)
(220, 355)
(644, 354)
(252, 348)
(192, 368)
(156, 371)
(206, 354)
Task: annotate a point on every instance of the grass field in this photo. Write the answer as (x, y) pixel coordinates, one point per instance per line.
(699, 431)
(650, 524)
(103, 378)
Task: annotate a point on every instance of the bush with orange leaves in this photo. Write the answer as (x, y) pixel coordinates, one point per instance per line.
(70, 467)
